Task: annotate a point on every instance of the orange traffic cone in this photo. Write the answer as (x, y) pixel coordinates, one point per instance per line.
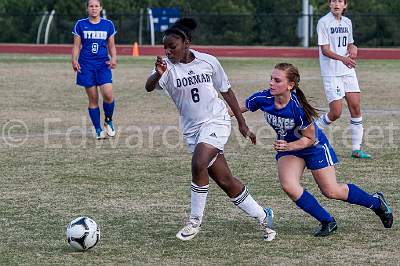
(135, 49)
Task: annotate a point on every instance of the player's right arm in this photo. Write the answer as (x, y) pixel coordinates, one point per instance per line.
(160, 67)
(350, 63)
(75, 53)
(307, 140)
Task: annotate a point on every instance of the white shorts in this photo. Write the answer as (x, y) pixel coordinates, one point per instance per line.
(215, 132)
(337, 87)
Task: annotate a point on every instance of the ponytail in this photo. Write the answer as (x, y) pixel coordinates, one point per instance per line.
(311, 112)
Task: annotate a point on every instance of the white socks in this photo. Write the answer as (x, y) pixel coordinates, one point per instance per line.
(323, 121)
(246, 203)
(198, 201)
(357, 131)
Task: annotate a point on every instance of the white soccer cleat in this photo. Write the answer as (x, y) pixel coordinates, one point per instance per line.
(269, 234)
(100, 134)
(109, 127)
(190, 230)
(267, 225)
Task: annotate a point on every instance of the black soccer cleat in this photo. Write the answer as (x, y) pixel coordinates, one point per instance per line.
(384, 212)
(326, 229)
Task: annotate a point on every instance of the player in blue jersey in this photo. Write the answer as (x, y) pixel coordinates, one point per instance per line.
(94, 45)
(300, 143)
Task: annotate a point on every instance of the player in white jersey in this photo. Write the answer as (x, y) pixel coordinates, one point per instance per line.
(192, 79)
(337, 57)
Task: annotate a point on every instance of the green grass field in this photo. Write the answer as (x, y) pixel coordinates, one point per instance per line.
(136, 186)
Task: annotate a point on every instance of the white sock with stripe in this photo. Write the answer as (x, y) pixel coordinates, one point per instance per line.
(323, 121)
(198, 201)
(357, 131)
(246, 203)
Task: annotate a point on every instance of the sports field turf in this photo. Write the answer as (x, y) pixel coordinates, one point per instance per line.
(136, 186)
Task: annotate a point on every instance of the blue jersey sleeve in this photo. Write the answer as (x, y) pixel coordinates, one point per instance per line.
(111, 29)
(255, 101)
(76, 30)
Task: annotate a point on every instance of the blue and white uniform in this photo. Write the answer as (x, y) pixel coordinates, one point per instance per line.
(287, 123)
(94, 51)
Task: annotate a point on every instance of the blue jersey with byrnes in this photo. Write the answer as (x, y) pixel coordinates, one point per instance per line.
(94, 40)
(288, 123)
(94, 52)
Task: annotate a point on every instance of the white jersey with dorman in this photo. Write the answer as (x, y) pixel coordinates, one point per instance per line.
(193, 88)
(338, 34)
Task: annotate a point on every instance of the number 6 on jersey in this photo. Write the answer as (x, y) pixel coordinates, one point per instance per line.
(195, 95)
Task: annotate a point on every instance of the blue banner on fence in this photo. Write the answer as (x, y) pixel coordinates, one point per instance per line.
(164, 17)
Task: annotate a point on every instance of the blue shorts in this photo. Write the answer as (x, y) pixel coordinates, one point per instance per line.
(316, 157)
(89, 77)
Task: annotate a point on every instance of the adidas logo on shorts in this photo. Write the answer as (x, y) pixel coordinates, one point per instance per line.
(213, 135)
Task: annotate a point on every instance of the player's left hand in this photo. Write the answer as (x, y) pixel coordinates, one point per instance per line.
(76, 66)
(244, 129)
(252, 137)
(112, 64)
(281, 145)
(350, 63)
(353, 50)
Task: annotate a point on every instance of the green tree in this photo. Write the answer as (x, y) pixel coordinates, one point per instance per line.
(19, 20)
(275, 22)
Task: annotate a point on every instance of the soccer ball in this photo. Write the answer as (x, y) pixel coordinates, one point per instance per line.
(83, 233)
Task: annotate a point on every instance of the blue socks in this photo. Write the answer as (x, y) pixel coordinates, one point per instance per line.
(310, 205)
(362, 198)
(94, 114)
(108, 109)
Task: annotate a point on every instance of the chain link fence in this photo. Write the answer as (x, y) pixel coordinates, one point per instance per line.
(370, 30)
